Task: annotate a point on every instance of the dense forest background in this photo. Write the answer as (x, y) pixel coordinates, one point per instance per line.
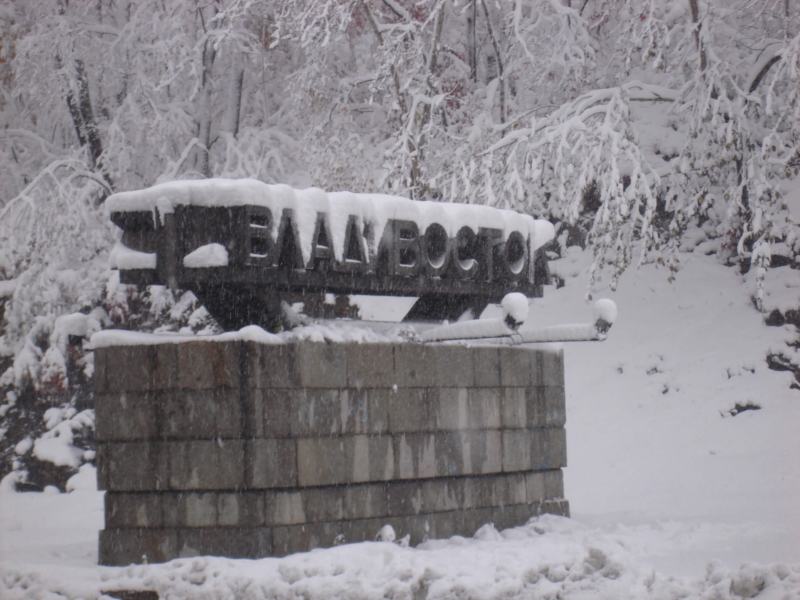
(639, 127)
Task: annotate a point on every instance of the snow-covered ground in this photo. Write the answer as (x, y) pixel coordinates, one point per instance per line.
(671, 495)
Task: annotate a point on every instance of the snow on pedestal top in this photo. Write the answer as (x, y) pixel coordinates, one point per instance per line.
(373, 209)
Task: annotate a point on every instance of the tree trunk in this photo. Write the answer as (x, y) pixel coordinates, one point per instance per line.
(235, 96)
(472, 51)
(204, 133)
(500, 70)
(697, 39)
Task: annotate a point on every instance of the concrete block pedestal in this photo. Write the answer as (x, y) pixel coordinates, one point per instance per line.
(248, 450)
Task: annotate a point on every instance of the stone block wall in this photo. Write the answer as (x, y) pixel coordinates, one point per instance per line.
(248, 450)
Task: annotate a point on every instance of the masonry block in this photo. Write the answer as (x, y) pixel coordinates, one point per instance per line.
(318, 412)
(321, 461)
(462, 522)
(206, 465)
(486, 366)
(370, 366)
(415, 455)
(285, 507)
(554, 483)
(516, 450)
(270, 463)
(514, 407)
(554, 507)
(320, 365)
(136, 368)
(515, 366)
(535, 486)
(240, 509)
(551, 367)
(415, 365)
(232, 542)
(548, 448)
(510, 489)
(366, 501)
(133, 509)
(442, 494)
(369, 458)
(367, 409)
(453, 408)
(266, 412)
(206, 365)
(404, 498)
(506, 517)
(324, 504)
(302, 538)
(268, 366)
(125, 416)
(468, 408)
(555, 406)
(200, 414)
(535, 407)
(480, 492)
(454, 366)
(131, 466)
(200, 509)
(412, 410)
(122, 547)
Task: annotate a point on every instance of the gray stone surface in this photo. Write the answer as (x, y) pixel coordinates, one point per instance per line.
(415, 365)
(133, 509)
(555, 406)
(268, 366)
(204, 414)
(320, 365)
(206, 465)
(370, 366)
(369, 458)
(270, 463)
(126, 546)
(366, 501)
(551, 367)
(453, 366)
(318, 412)
(244, 449)
(515, 366)
(321, 461)
(208, 365)
(412, 409)
(125, 416)
(486, 366)
(135, 368)
(131, 466)
(368, 410)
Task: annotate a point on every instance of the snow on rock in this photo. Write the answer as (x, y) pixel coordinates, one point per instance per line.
(606, 310)
(210, 255)
(122, 257)
(515, 305)
(386, 534)
(7, 288)
(374, 210)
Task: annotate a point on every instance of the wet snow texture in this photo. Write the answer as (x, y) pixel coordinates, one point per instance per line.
(372, 209)
(671, 496)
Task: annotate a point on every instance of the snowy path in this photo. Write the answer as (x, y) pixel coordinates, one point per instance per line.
(670, 499)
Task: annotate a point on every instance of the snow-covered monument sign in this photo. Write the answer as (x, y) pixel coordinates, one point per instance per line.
(238, 245)
(250, 444)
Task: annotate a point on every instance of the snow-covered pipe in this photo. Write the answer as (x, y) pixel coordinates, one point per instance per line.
(605, 313)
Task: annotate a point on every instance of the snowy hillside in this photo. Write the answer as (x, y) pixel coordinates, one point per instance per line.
(672, 496)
